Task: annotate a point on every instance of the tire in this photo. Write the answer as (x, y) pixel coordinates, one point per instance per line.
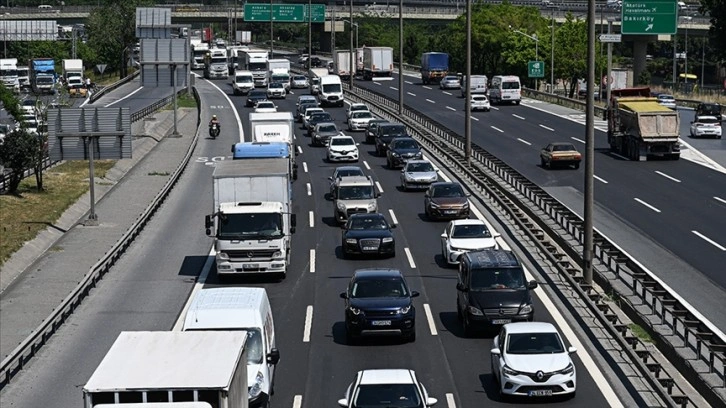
(577, 166)
(542, 162)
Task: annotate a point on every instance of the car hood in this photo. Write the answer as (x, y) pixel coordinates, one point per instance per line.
(421, 175)
(450, 200)
(356, 203)
(492, 299)
(531, 363)
(472, 243)
(343, 149)
(358, 234)
(382, 303)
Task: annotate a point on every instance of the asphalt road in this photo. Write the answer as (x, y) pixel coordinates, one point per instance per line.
(152, 281)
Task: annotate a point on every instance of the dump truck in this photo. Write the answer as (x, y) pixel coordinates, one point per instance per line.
(639, 128)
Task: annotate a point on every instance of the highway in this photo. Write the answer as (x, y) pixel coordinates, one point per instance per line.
(152, 281)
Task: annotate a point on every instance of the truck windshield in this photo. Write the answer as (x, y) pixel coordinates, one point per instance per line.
(355, 192)
(45, 80)
(219, 60)
(393, 130)
(332, 88)
(251, 226)
(496, 279)
(257, 66)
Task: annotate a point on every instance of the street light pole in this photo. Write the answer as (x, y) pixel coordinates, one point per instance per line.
(552, 50)
(353, 60)
(536, 49)
(272, 38)
(400, 57)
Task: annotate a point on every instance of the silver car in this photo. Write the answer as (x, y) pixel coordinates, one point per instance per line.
(418, 174)
(354, 195)
(359, 120)
(300, 81)
(450, 82)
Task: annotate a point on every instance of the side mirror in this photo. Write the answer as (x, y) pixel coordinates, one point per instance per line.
(495, 351)
(208, 222)
(496, 235)
(343, 402)
(273, 357)
(532, 284)
(460, 287)
(394, 225)
(293, 223)
(443, 235)
(431, 401)
(572, 350)
(344, 295)
(414, 294)
(330, 178)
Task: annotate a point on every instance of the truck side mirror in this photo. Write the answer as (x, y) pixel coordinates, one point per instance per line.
(208, 222)
(273, 357)
(232, 149)
(293, 223)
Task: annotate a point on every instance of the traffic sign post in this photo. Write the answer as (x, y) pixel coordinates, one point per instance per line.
(284, 13)
(536, 69)
(649, 17)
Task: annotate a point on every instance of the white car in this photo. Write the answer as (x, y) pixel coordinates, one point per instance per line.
(265, 107)
(669, 101)
(300, 81)
(359, 120)
(276, 90)
(480, 102)
(461, 236)
(530, 359)
(356, 107)
(390, 388)
(450, 82)
(342, 148)
(706, 126)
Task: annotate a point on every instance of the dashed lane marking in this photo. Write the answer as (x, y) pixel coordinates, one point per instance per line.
(365, 163)
(412, 94)
(450, 108)
(312, 261)
(547, 127)
(410, 258)
(305, 167)
(429, 100)
(393, 216)
(308, 324)
(497, 129)
(600, 179)
(709, 240)
(525, 142)
(312, 219)
(646, 204)
(310, 189)
(517, 116)
(430, 319)
(667, 176)
(380, 189)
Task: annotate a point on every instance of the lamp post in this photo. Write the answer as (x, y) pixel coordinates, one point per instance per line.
(534, 38)
(685, 52)
(552, 47)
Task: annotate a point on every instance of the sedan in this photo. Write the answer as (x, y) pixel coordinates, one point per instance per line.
(669, 101)
(529, 359)
(394, 388)
(378, 301)
(372, 129)
(446, 200)
(317, 117)
(450, 82)
(356, 107)
(418, 174)
(368, 234)
(265, 107)
(342, 148)
(706, 126)
(343, 171)
(322, 132)
(306, 99)
(359, 120)
(560, 153)
(276, 90)
(255, 96)
(480, 102)
(462, 236)
(300, 81)
(401, 150)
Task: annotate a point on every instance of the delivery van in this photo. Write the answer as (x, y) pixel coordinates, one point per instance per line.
(505, 88)
(478, 84)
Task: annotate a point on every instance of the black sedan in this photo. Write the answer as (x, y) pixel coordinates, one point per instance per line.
(318, 117)
(401, 150)
(368, 234)
(378, 301)
(255, 96)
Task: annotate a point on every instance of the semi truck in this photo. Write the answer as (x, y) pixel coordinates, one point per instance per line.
(342, 64)
(42, 75)
(434, 67)
(359, 61)
(252, 218)
(377, 62)
(9, 73)
(215, 64)
(640, 128)
(256, 62)
(172, 367)
(199, 51)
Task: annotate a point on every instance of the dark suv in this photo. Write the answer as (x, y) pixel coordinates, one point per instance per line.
(385, 133)
(401, 150)
(378, 301)
(492, 291)
(709, 109)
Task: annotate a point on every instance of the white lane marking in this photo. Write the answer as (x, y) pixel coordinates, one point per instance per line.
(495, 108)
(312, 261)
(365, 163)
(408, 82)
(547, 127)
(450, 108)
(517, 116)
(709, 240)
(646, 204)
(412, 94)
(425, 87)
(299, 149)
(719, 199)
(447, 93)
(197, 287)
(600, 179)
(667, 176)
(297, 401)
(578, 140)
(305, 167)
(410, 258)
(395, 89)
(377, 83)
(236, 114)
(380, 189)
(308, 324)
(430, 319)
(312, 219)
(497, 129)
(393, 216)
(450, 400)
(429, 100)
(88, 99)
(476, 119)
(127, 96)
(310, 189)
(525, 142)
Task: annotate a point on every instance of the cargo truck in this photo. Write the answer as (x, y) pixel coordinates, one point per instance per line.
(199, 51)
(275, 127)
(252, 220)
(434, 67)
(639, 128)
(315, 75)
(42, 75)
(168, 368)
(72, 70)
(266, 150)
(9, 73)
(359, 61)
(377, 62)
(256, 62)
(342, 64)
(215, 64)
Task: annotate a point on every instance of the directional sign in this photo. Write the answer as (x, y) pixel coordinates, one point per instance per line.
(610, 38)
(649, 17)
(536, 69)
(284, 13)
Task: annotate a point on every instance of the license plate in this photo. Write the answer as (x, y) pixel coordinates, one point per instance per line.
(450, 212)
(381, 323)
(250, 266)
(501, 321)
(369, 248)
(540, 393)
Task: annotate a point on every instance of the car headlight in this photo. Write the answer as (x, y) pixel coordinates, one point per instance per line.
(354, 310)
(509, 372)
(256, 388)
(473, 310)
(404, 309)
(466, 205)
(567, 370)
(351, 241)
(223, 256)
(341, 206)
(387, 239)
(526, 309)
(394, 154)
(372, 206)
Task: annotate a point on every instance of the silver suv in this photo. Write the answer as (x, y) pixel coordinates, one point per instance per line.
(354, 195)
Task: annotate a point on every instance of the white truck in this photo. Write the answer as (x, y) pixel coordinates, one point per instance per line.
(252, 220)
(242, 82)
(256, 62)
(331, 91)
(215, 64)
(72, 71)
(199, 51)
(359, 61)
(278, 70)
(9, 73)
(274, 127)
(172, 367)
(377, 62)
(342, 64)
(315, 75)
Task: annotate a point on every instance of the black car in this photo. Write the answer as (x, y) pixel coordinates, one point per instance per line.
(322, 132)
(255, 96)
(368, 234)
(402, 149)
(385, 133)
(315, 62)
(318, 117)
(378, 301)
(373, 128)
(492, 290)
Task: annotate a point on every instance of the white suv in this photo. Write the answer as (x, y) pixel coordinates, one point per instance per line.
(386, 388)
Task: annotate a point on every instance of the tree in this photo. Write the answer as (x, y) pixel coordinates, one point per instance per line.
(717, 10)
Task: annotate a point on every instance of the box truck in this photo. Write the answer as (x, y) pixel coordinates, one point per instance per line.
(377, 62)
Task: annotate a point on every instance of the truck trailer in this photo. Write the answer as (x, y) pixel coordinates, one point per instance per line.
(640, 128)
(266, 150)
(434, 67)
(342, 64)
(377, 62)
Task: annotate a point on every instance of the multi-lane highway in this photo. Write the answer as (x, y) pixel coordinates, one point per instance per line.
(151, 283)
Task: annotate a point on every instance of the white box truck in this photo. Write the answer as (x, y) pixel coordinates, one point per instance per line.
(256, 62)
(252, 218)
(315, 75)
(342, 64)
(377, 62)
(72, 68)
(275, 127)
(172, 367)
(9, 73)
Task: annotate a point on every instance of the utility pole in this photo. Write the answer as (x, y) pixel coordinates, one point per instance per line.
(467, 102)
(400, 57)
(353, 60)
(587, 255)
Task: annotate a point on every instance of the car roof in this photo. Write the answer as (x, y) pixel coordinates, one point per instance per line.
(358, 105)
(469, 221)
(325, 124)
(386, 376)
(366, 215)
(530, 327)
(373, 273)
(491, 258)
(348, 168)
(353, 181)
(415, 161)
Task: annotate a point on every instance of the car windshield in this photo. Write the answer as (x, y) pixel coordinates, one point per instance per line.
(368, 223)
(387, 395)
(479, 98)
(709, 109)
(361, 115)
(358, 107)
(534, 343)
(419, 167)
(666, 97)
(299, 78)
(448, 191)
(265, 105)
(342, 141)
(471, 231)
(332, 88)
(393, 130)
(496, 279)
(258, 94)
(322, 117)
(327, 128)
(277, 85)
(451, 78)
(510, 85)
(250, 226)
(563, 148)
(707, 121)
(406, 144)
(348, 172)
(377, 288)
(355, 193)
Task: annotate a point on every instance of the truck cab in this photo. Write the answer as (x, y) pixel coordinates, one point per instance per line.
(215, 64)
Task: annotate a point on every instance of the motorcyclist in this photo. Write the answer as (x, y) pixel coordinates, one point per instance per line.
(214, 121)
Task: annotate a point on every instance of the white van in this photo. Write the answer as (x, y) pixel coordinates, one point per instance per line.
(233, 308)
(331, 91)
(505, 88)
(478, 84)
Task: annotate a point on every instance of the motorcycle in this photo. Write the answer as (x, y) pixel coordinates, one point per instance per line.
(214, 130)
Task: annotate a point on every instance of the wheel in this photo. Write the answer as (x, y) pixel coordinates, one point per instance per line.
(542, 162)
(577, 166)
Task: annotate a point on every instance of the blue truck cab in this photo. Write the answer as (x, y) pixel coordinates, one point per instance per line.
(265, 150)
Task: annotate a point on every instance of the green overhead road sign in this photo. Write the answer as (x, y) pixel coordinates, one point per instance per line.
(649, 17)
(284, 13)
(536, 69)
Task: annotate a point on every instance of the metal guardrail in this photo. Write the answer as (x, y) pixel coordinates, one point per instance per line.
(647, 301)
(16, 360)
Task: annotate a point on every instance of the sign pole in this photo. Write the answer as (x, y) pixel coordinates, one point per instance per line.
(272, 38)
(92, 220)
(175, 133)
(610, 64)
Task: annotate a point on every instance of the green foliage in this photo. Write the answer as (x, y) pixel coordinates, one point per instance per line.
(18, 153)
(644, 78)
(717, 32)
